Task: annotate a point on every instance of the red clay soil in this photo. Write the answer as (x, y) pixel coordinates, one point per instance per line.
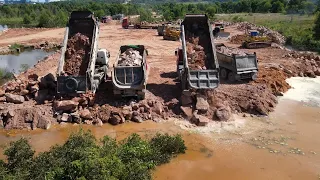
(254, 99)
(77, 55)
(275, 80)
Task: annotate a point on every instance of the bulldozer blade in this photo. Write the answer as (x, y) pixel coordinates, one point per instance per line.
(223, 34)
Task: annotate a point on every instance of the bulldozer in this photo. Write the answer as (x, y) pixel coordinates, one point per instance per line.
(172, 32)
(254, 40)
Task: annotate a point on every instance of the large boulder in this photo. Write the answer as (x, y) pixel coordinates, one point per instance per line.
(158, 108)
(44, 123)
(187, 111)
(17, 99)
(223, 113)
(65, 105)
(202, 103)
(85, 114)
(199, 120)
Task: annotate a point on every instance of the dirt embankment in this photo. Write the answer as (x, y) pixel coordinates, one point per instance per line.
(77, 55)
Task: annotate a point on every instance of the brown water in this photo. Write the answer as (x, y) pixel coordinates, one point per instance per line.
(261, 148)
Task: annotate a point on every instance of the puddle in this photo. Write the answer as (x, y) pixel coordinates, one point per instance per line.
(305, 90)
(3, 27)
(16, 63)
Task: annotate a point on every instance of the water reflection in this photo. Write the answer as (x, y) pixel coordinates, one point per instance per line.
(22, 61)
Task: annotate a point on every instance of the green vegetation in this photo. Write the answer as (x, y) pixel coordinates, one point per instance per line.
(15, 46)
(82, 157)
(5, 76)
(298, 29)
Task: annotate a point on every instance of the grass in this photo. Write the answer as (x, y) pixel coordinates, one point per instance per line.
(5, 75)
(296, 28)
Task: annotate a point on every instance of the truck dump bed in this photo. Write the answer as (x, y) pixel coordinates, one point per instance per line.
(199, 54)
(76, 75)
(129, 74)
(237, 61)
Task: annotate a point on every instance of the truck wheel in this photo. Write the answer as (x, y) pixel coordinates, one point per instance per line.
(71, 85)
(223, 73)
(231, 77)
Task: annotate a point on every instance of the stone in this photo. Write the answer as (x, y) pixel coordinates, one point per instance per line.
(85, 114)
(115, 119)
(202, 103)
(135, 106)
(158, 108)
(317, 58)
(301, 74)
(32, 83)
(310, 73)
(317, 72)
(199, 120)
(223, 113)
(24, 92)
(65, 105)
(186, 100)
(127, 112)
(2, 92)
(98, 122)
(288, 71)
(41, 95)
(172, 104)
(66, 117)
(48, 81)
(187, 111)
(3, 99)
(34, 89)
(88, 122)
(137, 119)
(157, 119)
(44, 123)
(141, 109)
(75, 117)
(150, 103)
(17, 99)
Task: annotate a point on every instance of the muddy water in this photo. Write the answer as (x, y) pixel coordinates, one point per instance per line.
(284, 145)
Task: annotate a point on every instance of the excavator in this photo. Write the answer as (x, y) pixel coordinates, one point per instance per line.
(254, 40)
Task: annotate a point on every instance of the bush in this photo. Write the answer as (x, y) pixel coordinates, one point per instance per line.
(27, 19)
(81, 157)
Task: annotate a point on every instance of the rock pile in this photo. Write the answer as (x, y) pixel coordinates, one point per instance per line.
(130, 58)
(39, 89)
(238, 39)
(230, 51)
(199, 108)
(273, 35)
(77, 55)
(304, 64)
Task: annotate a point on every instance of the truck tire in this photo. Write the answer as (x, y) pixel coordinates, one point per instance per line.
(223, 73)
(231, 77)
(71, 85)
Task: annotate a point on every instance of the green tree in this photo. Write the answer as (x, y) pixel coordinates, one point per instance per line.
(27, 19)
(44, 20)
(100, 13)
(277, 7)
(316, 28)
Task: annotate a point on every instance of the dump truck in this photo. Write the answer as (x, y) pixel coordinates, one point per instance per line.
(129, 75)
(235, 64)
(94, 63)
(255, 40)
(191, 75)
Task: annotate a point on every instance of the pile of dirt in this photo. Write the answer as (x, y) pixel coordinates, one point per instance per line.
(230, 51)
(198, 51)
(130, 58)
(254, 99)
(238, 39)
(274, 79)
(275, 36)
(77, 55)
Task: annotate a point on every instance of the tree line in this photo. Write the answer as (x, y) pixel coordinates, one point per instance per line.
(56, 14)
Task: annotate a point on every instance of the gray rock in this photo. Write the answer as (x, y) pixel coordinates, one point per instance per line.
(41, 95)
(24, 92)
(137, 119)
(76, 117)
(187, 111)
(65, 105)
(85, 114)
(44, 123)
(17, 99)
(202, 103)
(158, 108)
(223, 113)
(66, 117)
(199, 120)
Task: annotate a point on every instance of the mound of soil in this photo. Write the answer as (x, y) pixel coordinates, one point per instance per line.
(274, 79)
(254, 99)
(77, 55)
